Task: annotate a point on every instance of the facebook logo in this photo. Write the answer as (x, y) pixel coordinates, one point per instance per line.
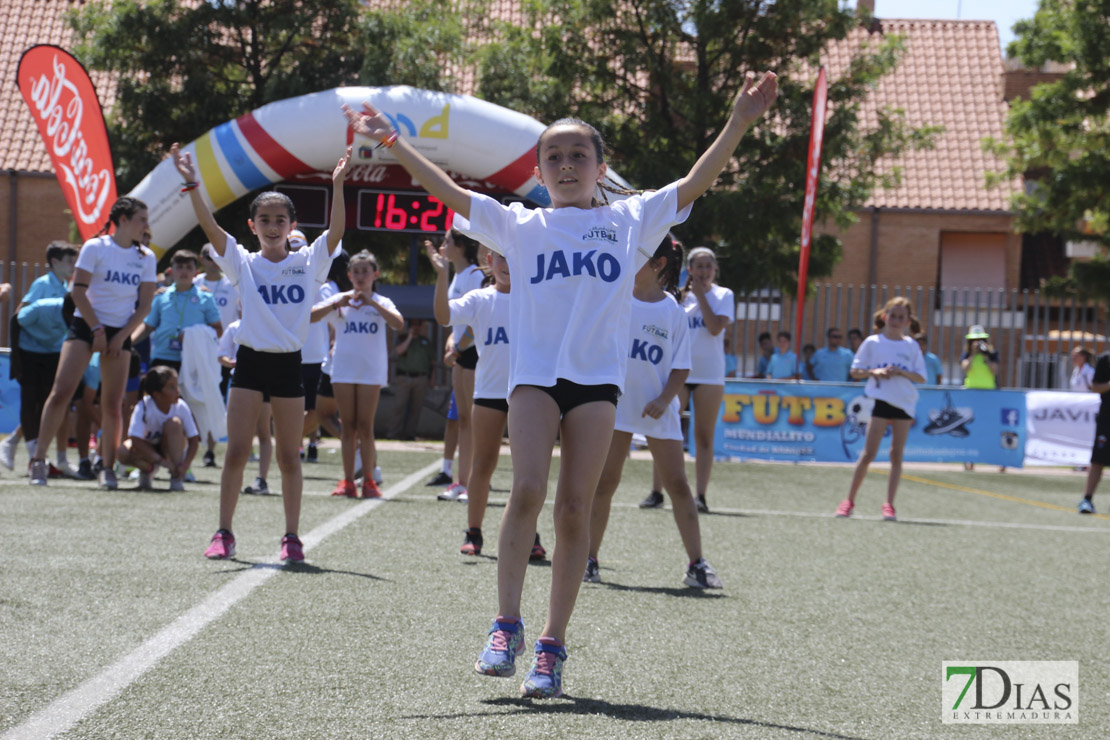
(1010, 417)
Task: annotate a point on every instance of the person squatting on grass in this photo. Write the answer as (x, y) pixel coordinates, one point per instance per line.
(891, 362)
(113, 286)
(276, 287)
(162, 431)
(658, 366)
(571, 323)
(360, 366)
(486, 312)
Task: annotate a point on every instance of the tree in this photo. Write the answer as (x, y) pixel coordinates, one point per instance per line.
(657, 78)
(185, 67)
(1059, 139)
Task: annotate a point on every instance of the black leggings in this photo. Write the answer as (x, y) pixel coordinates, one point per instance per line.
(35, 383)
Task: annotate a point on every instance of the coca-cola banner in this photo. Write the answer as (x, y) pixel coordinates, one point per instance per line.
(1059, 427)
(64, 104)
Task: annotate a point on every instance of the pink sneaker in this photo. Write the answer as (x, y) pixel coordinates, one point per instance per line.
(888, 513)
(221, 547)
(292, 551)
(845, 508)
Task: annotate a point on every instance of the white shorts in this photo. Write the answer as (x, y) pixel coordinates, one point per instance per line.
(667, 426)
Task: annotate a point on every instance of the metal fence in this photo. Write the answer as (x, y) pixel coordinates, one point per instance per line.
(1033, 334)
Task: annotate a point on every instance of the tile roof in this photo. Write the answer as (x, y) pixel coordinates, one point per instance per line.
(939, 56)
(950, 75)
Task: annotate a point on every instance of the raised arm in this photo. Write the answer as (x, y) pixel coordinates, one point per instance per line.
(338, 223)
(372, 124)
(184, 164)
(750, 105)
(441, 306)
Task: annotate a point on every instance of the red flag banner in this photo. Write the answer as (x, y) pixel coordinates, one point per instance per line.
(64, 104)
(813, 170)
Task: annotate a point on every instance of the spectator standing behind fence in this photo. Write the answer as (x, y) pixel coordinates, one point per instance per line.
(766, 351)
(784, 363)
(1100, 450)
(855, 339)
(980, 365)
(1082, 374)
(808, 352)
(933, 366)
(833, 362)
(415, 357)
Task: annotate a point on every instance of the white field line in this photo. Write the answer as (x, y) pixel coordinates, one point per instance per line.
(822, 515)
(66, 711)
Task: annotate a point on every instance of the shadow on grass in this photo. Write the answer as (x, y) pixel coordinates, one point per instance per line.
(630, 712)
(304, 568)
(682, 591)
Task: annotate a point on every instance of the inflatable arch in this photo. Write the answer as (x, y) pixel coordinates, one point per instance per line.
(307, 134)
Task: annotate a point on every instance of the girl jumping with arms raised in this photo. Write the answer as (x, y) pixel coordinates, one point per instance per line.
(276, 287)
(573, 265)
(891, 362)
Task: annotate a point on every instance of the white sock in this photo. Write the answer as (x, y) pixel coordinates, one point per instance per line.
(32, 448)
(61, 458)
(447, 465)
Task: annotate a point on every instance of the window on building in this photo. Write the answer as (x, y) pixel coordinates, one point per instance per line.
(972, 261)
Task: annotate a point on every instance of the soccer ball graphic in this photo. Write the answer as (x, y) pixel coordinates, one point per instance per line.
(854, 428)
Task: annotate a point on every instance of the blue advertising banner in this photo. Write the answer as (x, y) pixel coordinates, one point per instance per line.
(9, 396)
(827, 422)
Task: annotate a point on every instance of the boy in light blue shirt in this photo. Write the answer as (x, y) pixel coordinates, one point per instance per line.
(180, 307)
(933, 366)
(784, 363)
(833, 362)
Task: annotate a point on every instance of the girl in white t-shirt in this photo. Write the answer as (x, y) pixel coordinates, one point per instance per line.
(463, 254)
(573, 266)
(891, 362)
(276, 288)
(709, 311)
(659, 361)
(486, 312)
(360, 365)
(113, 286)
(162, 431)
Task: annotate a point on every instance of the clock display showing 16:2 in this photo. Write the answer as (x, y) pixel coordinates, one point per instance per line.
(401, 211)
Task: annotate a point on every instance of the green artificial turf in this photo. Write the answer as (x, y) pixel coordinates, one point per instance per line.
(826, 627)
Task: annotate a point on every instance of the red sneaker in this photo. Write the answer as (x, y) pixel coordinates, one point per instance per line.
(370, 488)
(345, 488)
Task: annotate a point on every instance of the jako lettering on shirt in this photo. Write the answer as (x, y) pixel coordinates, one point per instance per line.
(496, 335)
(360, 327)
(646, 351)
(697, 322)
(606, 266)
(127, 278)
(275, 294)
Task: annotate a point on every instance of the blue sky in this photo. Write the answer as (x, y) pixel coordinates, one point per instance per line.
(1003, 12)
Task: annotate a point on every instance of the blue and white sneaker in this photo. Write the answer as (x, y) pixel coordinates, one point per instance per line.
(545, 678)
(1086, 507)
(499, 656)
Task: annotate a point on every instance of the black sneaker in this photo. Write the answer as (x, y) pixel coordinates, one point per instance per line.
(311, 455)
(702, 506)
(259, 487)
(440, 480)
(472, 545)
(700, 574)
(210, 459)
(85, 470)
(654, 500)
(593, 572)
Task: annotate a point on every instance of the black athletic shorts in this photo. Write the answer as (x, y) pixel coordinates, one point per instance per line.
(80, 329)
(1100, 450)
(468, 358)
(324, 388)
(569, 395)
(225, 381)
(497, 404)
(310, 376)
(273, 374)
(884, 410)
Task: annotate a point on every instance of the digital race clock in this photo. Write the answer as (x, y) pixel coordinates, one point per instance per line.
(410, 212)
